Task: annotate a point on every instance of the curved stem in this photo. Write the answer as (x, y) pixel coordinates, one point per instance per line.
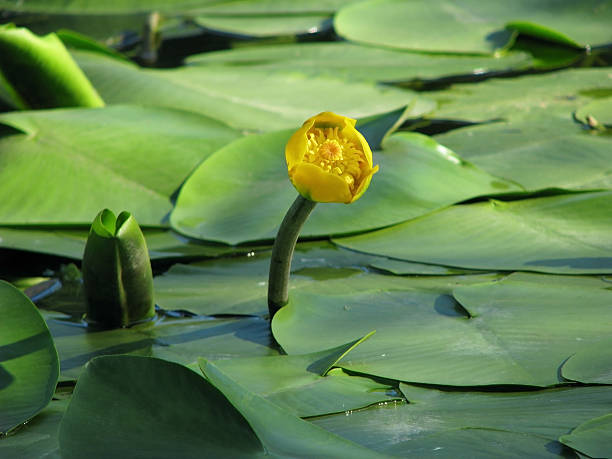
(282, 253)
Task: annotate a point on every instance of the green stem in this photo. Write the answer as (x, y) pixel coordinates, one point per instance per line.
(282, 253)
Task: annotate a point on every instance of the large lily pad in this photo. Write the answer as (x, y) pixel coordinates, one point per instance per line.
(553, 94)
(438, 422)
(426, 336)
(357, 62)
(249, 99)
(153, 409)
(559, 234)
(283, 434)
(66, 165)
(223, 203)
(475, 27)
(305, 385)
(29, 366)
(537, 152)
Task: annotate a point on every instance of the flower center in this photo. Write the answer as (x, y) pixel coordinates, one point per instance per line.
(334, 153)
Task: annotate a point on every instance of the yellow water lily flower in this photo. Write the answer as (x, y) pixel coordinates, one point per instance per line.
(329, 160)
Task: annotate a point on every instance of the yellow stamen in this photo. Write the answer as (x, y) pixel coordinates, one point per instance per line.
(334, 153)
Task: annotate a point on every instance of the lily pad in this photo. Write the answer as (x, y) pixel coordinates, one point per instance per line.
(180, 340)
(558, 234)
(250, 99)
(592, 365)
(97, 158)
(475, 27)
(357, 62)
(438, 422)
(220, 202)
(553, 94)
(537, 152)
(485, 335)
(29, 365)
(305, 385)
(191, 416)
(591, 437)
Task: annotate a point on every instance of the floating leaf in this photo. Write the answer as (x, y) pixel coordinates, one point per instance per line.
(558, 234)
(483, 336)
(416, 176)
(357, 62)
(471, 26)
(249, 99)
(597, 113)
(553, 94)
(591, 437)
(592, 365)
(439, 422)
(538, 152)
(29, 366)
(98, 158)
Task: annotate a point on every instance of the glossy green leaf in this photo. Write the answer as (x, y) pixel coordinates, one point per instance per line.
(437, 423)
(117, 274)
(37, 438)
(296, 382)
(597, 113)
(537, 152)
(265, 26)
(249, 99)
(180, 340)
(558, 234)
(554, 94)
(357, 62)
(470, 26)
(153, 409)
(97, 158)
(282, 433)
(591, 437)
(107, 7)
(38, 72)
(483, 336)
(416, 176)
(592, 365)
(29, 366)
(164, 245)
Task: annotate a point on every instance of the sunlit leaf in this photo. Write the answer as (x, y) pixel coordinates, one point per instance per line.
(29, 366)
(591, 437)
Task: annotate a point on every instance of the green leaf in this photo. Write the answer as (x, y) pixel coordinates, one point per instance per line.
(558, 234)
(592, 365)
(357, 62)
(29, 366)
(485, 335)
(181, 340)
(265, 26)
(283, 434)
(222, 202)
(250, 99)
(471, 26)
(538, 152)
(107, 7)
(591, 437)
(37, 438)
(597, 113)
(296, 383)
(555, 94)
(153, 409)
(120, 157)
(440, 422)
(40, 73)
(117, 275)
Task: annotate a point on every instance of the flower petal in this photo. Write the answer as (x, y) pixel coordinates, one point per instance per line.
(317, 185)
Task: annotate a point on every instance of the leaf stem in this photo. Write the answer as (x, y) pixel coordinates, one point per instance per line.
(282, 253)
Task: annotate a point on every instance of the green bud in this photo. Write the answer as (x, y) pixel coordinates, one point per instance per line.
(117, 272)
